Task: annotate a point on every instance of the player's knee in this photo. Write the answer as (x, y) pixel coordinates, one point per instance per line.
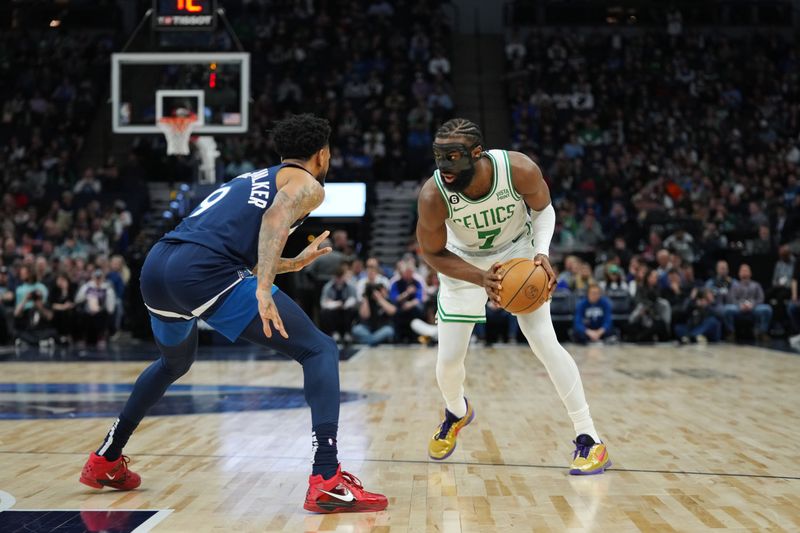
(177, 364)
(328, 348)
(449, 370)
(321, 348)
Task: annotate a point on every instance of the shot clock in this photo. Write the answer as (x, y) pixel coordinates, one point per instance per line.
(184, 14)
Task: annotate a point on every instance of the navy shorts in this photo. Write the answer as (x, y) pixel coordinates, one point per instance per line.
(181, 282)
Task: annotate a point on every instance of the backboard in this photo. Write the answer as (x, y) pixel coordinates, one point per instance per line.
(147, 86)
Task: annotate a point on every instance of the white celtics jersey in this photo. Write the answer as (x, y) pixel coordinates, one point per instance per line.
(490, 224)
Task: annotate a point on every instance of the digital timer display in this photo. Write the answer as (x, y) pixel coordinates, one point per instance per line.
(184, 14)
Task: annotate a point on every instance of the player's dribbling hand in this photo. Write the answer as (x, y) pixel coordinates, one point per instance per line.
(491, 282)
(311, 252)
(544, 261)
(269, 313)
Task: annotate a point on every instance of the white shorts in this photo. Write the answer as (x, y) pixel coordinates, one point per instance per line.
(461, 301)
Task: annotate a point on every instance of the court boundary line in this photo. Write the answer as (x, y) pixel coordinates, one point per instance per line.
(7, 501)
(153, 521)
(431, 462)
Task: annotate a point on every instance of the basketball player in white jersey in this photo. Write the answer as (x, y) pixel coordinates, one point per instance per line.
(478, 210)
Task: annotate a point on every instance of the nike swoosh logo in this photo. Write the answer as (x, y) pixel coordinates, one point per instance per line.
(459, 209)
(346, 497)
(109, 476)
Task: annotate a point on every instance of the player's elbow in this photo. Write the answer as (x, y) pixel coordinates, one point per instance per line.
(431, 253)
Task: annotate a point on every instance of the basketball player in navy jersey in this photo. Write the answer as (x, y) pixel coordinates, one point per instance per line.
(204, 269)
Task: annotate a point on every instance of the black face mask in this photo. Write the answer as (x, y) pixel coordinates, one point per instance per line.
(463, 168)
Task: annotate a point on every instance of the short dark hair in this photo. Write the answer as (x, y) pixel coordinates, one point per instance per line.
(341, 270)
(301, 136)
(461, 127)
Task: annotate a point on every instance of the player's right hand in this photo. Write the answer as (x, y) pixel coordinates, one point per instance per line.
(312, 252)
(269, 313)
(491, 282)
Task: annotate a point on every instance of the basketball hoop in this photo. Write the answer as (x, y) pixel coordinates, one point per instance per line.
(178, 131)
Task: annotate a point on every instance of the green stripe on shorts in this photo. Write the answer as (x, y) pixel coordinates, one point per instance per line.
(447, 317)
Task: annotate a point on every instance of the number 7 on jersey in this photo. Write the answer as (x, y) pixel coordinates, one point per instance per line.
(490, 236)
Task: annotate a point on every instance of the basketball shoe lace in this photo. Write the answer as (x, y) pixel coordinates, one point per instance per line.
(445, 428)
(351, 479)
(124, 469)
(581, 449)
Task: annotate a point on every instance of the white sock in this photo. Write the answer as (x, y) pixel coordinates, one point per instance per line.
(450, 372)
(582, 421)
(561, 367)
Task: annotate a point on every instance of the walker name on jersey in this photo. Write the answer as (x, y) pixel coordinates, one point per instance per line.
(487, 217)
(259, 188)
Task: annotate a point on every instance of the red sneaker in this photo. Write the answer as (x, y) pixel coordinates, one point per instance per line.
(343, 493)
(98, 472)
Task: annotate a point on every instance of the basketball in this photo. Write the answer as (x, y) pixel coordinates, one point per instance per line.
(524, 286)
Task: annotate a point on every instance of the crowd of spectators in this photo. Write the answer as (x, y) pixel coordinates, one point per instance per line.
(379, 71)
(64, 226)
(369, 304)
(666, 302)
(54, 82)
(702, 144)
(669, 155)
(61, 299)
(704, 129)
(366, 303)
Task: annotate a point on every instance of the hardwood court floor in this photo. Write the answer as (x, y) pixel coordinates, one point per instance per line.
(701, 438)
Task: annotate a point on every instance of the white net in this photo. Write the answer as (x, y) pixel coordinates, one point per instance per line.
(178, 131)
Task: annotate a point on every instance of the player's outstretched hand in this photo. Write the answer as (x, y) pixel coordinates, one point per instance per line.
(544, 261)
(269, 313)
(312, 251)
(491, 282)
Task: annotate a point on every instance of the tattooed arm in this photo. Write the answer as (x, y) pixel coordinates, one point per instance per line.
(286, 264)
(300, 195)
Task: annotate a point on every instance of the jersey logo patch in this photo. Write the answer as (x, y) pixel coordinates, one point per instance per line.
(454, 199)
(502, 194)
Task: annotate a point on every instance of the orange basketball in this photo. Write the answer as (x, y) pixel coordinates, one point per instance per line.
(524, 286)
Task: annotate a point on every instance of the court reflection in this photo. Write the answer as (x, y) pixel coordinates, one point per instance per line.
(89, 400)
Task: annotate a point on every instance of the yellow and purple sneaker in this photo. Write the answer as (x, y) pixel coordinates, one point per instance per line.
(443, 442)
(589, 458)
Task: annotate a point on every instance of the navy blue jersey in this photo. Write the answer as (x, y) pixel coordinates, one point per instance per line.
(228, 220)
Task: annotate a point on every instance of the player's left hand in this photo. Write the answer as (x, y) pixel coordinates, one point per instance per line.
(269, 313)
(312, 252)
(544, 261)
